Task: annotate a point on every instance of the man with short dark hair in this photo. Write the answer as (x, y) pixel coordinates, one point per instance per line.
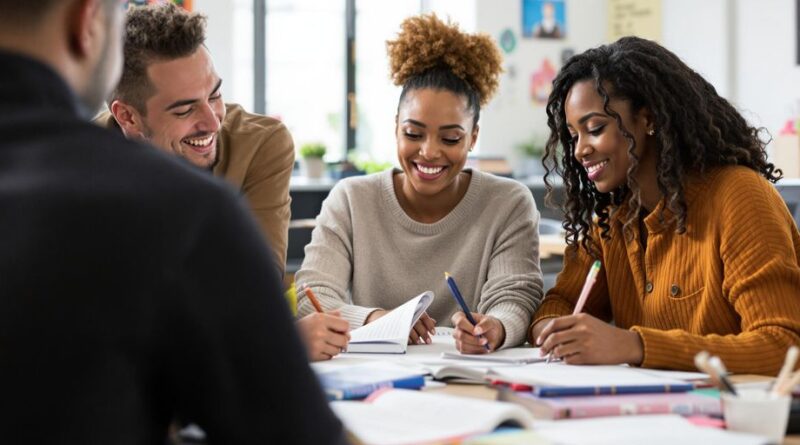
(171, 96)
(133, 289)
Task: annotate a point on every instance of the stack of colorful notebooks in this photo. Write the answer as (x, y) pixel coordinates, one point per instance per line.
(578, 407)
(563, 392)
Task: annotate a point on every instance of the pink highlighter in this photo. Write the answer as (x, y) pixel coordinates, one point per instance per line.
(591, 277)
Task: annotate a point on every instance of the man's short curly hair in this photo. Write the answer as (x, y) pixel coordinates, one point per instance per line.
(429, 53)
(155, 33)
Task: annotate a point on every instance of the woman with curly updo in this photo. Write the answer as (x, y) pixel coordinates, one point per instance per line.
(385, 238)
(669, 187)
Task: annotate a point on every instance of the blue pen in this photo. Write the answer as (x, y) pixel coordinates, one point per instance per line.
(451, 283)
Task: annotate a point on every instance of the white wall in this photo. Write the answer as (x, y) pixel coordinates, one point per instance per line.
(697, 31)
(766, 66)
(745, 48)
(511, 118)
(229, 21)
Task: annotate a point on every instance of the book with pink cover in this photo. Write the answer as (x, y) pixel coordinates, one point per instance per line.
(576, 407)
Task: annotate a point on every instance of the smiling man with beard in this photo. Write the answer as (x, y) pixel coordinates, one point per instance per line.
(171, 96)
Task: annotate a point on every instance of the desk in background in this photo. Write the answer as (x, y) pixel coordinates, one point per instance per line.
(308, 195)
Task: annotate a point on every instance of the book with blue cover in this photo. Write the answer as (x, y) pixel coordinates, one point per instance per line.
(359, 381)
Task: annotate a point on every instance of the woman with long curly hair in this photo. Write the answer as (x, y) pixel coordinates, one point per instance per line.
(384, 238)
(669, 187)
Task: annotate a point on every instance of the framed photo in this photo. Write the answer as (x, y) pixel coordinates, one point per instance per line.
(544, 19)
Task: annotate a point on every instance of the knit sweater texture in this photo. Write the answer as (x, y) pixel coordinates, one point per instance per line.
(729, 285)
(367, 253)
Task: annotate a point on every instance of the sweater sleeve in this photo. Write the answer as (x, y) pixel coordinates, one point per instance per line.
(266, 188)
(328, 264)
(760, 263)
(561, 299)
(513, 288)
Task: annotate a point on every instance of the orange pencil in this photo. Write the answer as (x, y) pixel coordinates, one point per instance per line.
(313, 298)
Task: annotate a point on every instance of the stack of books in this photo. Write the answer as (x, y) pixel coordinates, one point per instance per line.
(570, 392)
(579, 407)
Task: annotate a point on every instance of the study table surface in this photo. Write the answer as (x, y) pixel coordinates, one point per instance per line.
(417, 355)
(490, 393)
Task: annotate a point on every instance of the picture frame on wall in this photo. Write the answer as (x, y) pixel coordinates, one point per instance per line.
(544, 19)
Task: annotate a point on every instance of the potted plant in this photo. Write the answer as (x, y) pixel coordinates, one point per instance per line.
(313, 164)
(366, 164)
(532, 151)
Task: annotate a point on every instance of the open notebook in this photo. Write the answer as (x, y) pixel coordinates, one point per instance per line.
(397, 416)
(389, 334)
(514, 356)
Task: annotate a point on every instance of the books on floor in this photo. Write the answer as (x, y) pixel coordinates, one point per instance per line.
(359, 381)
(398, 417)
(389, 334)
(553, 408)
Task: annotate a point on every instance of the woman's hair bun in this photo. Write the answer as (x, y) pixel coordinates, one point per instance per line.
(425, 42)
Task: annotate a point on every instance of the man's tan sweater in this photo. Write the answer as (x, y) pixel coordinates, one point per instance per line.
(256, 154)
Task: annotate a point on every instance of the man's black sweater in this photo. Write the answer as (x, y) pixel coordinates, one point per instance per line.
(133, 291)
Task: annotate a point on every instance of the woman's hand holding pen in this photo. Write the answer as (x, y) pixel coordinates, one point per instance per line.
(421, 331)
(585, 340)
(324, 334)
(467, 338)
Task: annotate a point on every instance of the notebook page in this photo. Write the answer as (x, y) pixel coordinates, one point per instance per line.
(513, 355)
(561, 374)
(398, 417)
(394, 326)
(672, 429)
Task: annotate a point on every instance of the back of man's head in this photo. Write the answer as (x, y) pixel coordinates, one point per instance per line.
(25, 13)
(79, 39)
(152, 34)
(30, 13)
